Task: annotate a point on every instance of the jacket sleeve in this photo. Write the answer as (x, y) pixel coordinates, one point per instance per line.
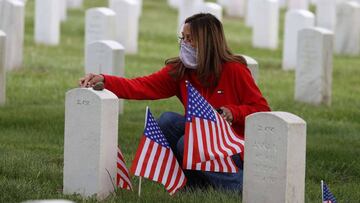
(158, 85)
(250, 97)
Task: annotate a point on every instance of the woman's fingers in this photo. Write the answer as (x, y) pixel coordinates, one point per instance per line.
(226, 114)
(82, 82)
(90, 80)
(94, 80)
(86, 79)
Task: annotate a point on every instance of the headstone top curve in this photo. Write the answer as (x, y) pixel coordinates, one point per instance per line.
(285, 116)
(104, 94)
(104, 10)
(111, 43)
(323, 31)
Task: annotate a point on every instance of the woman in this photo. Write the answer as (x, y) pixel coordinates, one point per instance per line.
(221, 77)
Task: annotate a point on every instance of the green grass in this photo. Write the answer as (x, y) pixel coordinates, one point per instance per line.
(32, 121)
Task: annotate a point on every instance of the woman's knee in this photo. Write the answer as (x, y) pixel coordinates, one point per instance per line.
(167, 118)
(180, 147)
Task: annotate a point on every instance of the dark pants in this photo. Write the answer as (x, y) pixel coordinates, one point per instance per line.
(173, 126)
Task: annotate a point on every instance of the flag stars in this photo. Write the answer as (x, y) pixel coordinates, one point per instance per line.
(153, 131)
(198, 106)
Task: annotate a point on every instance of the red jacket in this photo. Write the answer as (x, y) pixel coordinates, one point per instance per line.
(236, 90)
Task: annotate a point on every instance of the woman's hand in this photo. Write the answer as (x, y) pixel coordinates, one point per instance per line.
(90, 80)
(226, 114)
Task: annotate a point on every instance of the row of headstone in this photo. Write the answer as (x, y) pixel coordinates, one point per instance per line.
(343, 18)
(274, 152)
(12, 22)
(252, 11)
(47, 22)
(263, 15)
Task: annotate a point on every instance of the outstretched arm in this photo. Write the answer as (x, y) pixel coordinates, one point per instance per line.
(157, 85)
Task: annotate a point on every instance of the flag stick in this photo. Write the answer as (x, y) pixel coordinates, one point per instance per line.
(322, 191)
(139, 192)
(147, 109)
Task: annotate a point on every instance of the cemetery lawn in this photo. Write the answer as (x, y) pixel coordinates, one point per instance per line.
(32, 121)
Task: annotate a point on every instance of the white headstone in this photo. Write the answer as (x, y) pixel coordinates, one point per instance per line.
(2, 68)
(127, 23)
(236, 8)
(47, 22)
(174, 3)
(213, 8)
(74, 3)
(274, 163)
(251, 12)
(100, 25)
(347, 31)
(266, 24)
(187, 8)
(1, 12)
(313, 77)
(13, 24)
(223, 3)
(253, 66)
(326, 14)
(107, 57)
(91, 136)
(283, 3)
(298, 4)
(63, 10)
(295, 20)
(139, 7)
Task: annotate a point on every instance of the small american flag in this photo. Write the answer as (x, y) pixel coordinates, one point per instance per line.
(155, 160)
(122, 174)
(327, 196)
(209, 139)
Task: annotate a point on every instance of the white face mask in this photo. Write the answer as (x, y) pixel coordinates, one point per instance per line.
(188, 55)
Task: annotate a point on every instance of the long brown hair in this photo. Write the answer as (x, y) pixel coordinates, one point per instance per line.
(212, 50)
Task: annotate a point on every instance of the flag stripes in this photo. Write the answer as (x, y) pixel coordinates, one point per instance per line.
(206, 151)
(209, 139)
(160, 166)
(122, 174)
(155, 160)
